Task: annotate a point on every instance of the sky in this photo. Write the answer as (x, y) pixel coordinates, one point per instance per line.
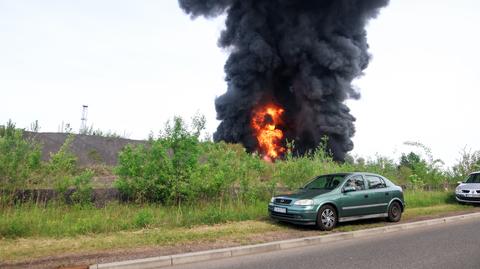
(136, 64)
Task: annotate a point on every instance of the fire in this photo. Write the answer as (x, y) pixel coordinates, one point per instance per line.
(265, 121)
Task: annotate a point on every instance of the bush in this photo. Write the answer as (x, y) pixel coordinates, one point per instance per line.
(217, 170)
(83, 188)
(228, 171)
(161, 171)
(61, 185)
(177, 168)
(63, 162)
(19, 157)
(467, 163)
(61, 169)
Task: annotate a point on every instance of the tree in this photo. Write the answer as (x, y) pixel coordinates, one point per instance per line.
(469, 162)
(411, 160)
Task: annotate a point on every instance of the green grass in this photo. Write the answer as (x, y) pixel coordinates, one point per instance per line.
(64, 221)
(243, 232)
(423, 198)
(418, 212)
(231, 233)
(57, 220)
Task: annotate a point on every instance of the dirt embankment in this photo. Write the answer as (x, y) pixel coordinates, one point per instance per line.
(90, 150)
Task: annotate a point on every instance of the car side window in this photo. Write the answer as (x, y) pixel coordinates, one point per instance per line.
(375, 182)
(356, 182)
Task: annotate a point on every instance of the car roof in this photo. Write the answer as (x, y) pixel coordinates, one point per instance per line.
(473, 173)
(337, 174)
(352, 173)
(366, 173)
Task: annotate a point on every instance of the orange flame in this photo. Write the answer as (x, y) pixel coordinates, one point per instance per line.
(265, 121)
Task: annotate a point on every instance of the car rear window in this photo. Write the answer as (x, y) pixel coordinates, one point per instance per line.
(473, 178)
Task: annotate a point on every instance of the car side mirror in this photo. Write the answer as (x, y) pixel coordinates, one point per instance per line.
(349, 189)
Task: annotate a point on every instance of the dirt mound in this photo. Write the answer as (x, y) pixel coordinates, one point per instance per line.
(90, 150)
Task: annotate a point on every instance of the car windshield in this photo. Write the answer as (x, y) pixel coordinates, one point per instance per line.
(473, 178)
(327, 182)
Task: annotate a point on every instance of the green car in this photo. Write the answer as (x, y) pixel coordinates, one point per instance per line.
(342, 197)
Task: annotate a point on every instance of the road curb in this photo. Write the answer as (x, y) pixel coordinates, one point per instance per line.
(166, 261)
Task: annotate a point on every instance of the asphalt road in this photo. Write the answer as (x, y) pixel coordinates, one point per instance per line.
(447, 246)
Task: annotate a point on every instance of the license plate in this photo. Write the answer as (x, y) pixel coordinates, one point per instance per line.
(473, 195)
(280, 210)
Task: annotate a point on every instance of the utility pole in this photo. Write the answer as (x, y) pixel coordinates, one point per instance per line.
(83, 125)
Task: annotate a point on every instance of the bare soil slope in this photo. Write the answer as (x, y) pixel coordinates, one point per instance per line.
(90, 150)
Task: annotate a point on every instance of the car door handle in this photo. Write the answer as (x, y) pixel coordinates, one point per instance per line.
(386, 193)
(366, 195)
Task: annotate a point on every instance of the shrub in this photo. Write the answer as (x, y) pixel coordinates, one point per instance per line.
(294, 172)
(83, 188)
(61, 168)
(63, 162)
(178, 168)
(19, 157)
(467, 163)
(61, 185)
(217, 170)
(228, 171)
(162, 170)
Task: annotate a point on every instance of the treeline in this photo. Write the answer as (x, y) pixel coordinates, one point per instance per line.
(179, 167)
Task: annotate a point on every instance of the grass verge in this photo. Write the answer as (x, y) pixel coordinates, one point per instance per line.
(227, 234)
(58, 221)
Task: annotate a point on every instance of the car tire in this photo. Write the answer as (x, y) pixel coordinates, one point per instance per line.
(326, 218)
(394, 212)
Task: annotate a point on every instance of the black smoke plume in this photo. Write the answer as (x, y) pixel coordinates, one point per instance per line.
(300, 54)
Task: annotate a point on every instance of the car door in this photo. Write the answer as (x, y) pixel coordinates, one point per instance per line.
(378, 194)
(354, 203)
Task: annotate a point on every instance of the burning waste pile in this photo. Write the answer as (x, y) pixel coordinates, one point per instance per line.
(290, 71)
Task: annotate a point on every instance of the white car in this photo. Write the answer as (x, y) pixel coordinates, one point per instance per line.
(469, 191)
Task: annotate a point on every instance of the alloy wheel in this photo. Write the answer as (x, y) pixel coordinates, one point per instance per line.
(328, 218)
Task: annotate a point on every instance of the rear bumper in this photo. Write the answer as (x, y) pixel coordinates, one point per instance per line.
(293, 215)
